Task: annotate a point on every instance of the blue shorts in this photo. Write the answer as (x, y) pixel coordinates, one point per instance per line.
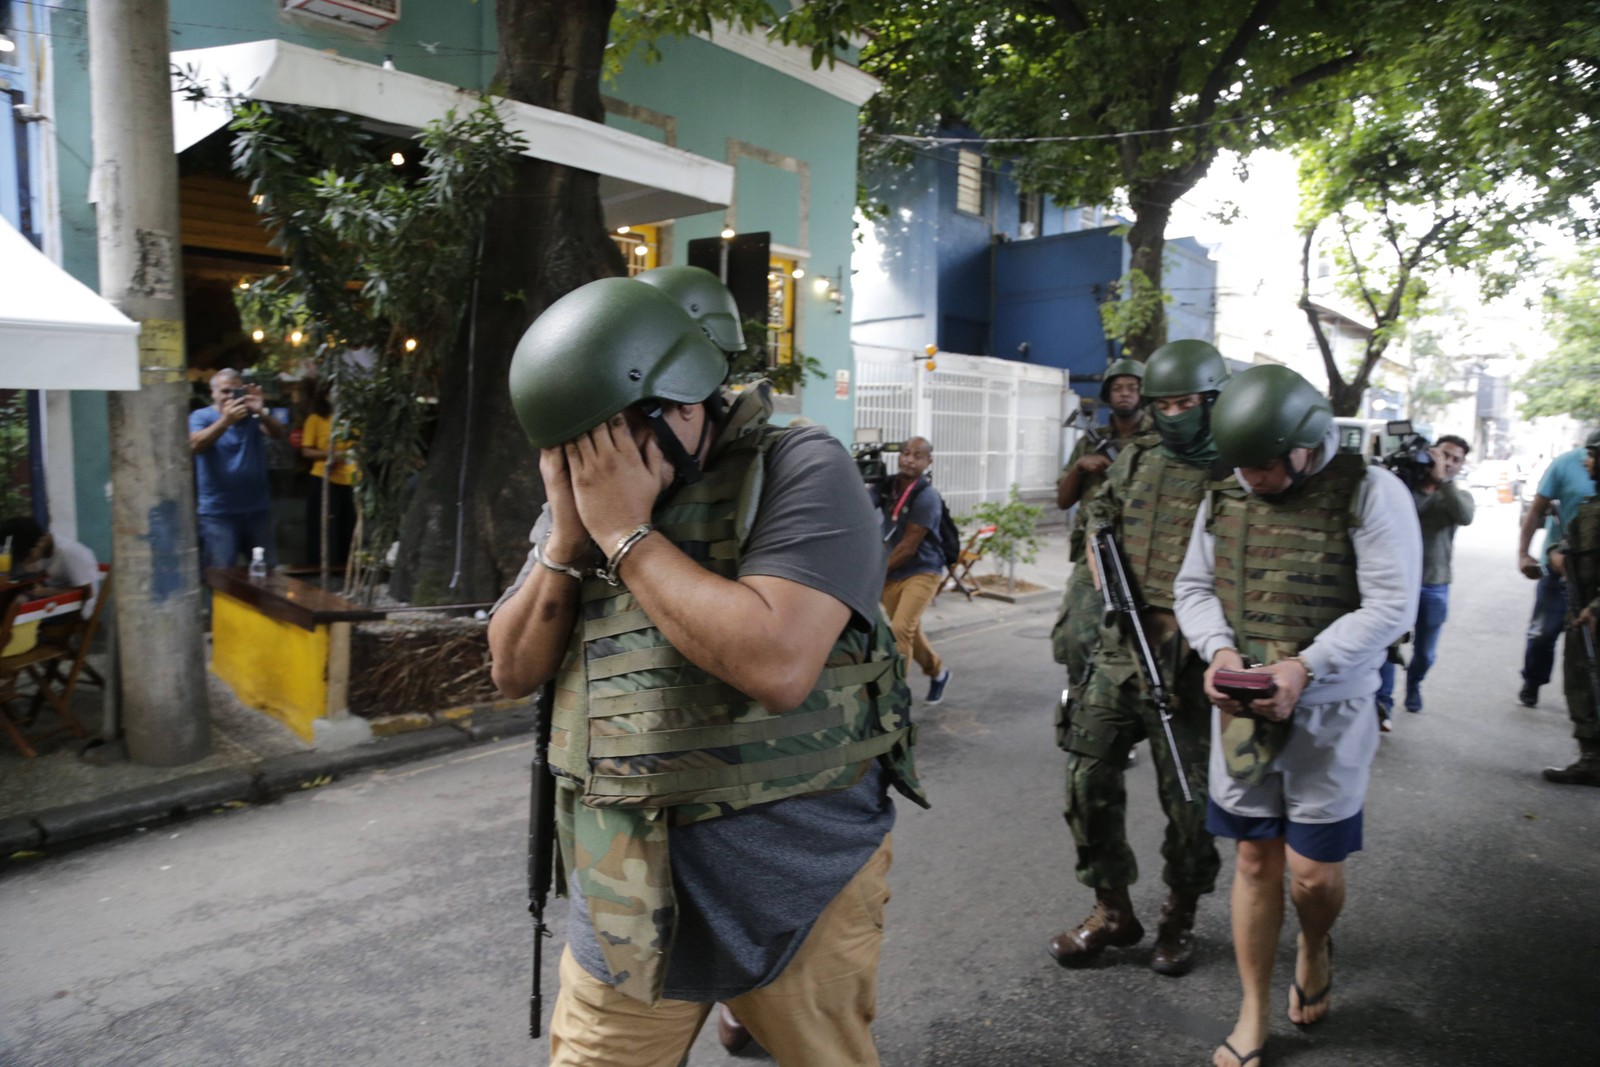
(1325, 842)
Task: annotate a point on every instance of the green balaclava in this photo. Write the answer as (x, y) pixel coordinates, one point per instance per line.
(1179, 368)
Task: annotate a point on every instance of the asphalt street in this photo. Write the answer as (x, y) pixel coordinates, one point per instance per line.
(381, 919)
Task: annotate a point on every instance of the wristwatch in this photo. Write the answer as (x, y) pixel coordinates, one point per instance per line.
(1311, 675)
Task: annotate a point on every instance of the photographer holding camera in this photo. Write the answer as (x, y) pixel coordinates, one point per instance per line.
(230, 460)
(1442, 507)
(909, 507)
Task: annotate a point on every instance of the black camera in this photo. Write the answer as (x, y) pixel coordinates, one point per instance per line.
(868, 451)
(1411, 461)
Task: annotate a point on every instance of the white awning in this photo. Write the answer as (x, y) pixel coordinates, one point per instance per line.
(56, 332)
(640, 180)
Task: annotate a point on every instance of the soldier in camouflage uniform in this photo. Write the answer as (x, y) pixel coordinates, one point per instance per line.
(1077, 627)
(1149, 499)
(1578, 558)
(729, 707)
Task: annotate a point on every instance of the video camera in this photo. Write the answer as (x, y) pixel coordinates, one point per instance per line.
(868, 451)
(1411, 460)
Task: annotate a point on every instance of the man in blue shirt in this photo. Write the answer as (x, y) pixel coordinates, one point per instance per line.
(1566, 483)
(910, 507)
(230, 459)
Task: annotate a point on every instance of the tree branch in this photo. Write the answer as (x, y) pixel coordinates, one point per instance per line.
(1335, 379)
(1355, 263)
(1221, 73)
(1068, 14)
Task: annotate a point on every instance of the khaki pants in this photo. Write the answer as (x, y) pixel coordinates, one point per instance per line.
(818, 1011)
(904, 602)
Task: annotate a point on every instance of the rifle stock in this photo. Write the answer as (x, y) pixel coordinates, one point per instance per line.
(1122, 607)
(541, 848)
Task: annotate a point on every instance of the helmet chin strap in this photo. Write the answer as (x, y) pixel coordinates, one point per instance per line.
(686, 468)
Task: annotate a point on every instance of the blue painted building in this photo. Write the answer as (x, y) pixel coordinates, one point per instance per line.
(966, 261)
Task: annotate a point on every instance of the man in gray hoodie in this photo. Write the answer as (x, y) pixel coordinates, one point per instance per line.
(1334, 565)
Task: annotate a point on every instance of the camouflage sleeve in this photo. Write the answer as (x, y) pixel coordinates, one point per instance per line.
(1077, 453)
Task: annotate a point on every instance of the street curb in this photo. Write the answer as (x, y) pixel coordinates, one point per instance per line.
(252, 783)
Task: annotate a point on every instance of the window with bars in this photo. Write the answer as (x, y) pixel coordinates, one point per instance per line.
(1030, 215)
(969, 182)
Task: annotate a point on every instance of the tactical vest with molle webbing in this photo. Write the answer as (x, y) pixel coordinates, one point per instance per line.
(1159, 503)
(1285, 570)
(643, 740)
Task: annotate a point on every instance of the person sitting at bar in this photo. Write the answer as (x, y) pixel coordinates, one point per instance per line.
(66, 563)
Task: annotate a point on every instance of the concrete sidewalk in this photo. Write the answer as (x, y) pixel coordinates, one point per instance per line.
(74, 792)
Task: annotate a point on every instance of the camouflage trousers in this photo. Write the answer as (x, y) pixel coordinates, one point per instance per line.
(1077, 628)
(1575, 684)
(1113, 715)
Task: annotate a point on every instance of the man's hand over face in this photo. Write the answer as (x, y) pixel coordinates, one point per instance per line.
(616, 478)
(568, 538)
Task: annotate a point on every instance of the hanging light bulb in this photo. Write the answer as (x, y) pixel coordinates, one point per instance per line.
(244, 283)
(398, 159)
(296, 337)
(797, 273)
(258, 335)
(727, 233)
(411, 344)
(624, 229)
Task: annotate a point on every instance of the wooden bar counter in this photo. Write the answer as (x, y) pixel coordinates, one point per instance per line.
(284, 646)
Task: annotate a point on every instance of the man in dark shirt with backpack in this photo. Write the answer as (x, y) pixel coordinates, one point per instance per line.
(911, 509)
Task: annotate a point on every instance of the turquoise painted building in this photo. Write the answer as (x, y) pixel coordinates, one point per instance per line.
(734, 109)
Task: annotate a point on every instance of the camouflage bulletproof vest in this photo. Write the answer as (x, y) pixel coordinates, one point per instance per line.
(1078, 542)
(1583, 554)
(1158, 509)
(1286, 569)
(644, 739)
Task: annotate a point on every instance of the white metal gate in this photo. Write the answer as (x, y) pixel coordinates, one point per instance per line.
(993, 422)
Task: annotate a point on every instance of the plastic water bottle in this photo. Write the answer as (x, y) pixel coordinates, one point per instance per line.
(258, 563)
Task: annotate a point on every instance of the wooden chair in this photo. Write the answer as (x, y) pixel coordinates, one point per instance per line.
(961, 569)
(65, 644)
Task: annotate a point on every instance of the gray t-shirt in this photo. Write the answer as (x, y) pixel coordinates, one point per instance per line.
(749, 886)
(921, 507)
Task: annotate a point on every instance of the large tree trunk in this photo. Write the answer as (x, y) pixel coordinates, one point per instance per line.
(1147, 240)
(464, 535)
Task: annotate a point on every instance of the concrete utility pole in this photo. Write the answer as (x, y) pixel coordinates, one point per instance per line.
(155, 557)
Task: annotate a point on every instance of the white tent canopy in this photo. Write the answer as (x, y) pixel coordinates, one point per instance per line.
(56, 332)
(640, 180)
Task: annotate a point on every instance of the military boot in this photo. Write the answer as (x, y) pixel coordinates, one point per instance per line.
(1586, 771)
(1174, 955)
(1112, 922)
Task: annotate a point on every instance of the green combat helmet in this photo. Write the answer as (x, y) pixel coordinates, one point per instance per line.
(704, 298)
(1121, 368)
(604, 347)
(1593, 442)
(1265, 412)
(1179, 368)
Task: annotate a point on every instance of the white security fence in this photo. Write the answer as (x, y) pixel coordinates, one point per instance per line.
(993, 422)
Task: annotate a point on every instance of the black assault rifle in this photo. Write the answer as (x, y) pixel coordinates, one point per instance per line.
(1122, 606)
(541, 847)
(1099, 440)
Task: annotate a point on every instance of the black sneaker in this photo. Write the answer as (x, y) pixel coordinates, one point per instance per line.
(1529, 696)
(936, 687)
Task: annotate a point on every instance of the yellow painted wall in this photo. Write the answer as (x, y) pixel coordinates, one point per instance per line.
(273, 666)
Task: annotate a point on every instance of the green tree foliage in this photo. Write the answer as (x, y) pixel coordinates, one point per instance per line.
(1015, 525)
(1567, 382)
(1466, 136)
(382, 259)
(1092, 102)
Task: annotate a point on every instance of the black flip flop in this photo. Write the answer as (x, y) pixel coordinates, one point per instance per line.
(1307, 1002)
(1256, 1055)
